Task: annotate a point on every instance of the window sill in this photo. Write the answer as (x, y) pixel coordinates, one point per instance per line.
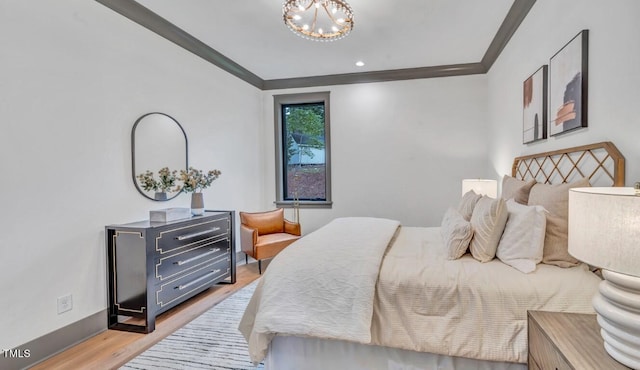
(305, 204)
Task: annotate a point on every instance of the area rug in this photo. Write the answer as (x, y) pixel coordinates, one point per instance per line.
(211, 341)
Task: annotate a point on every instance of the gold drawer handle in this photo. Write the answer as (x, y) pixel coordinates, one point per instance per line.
(210, 252)
(193, 235)
(196, 281)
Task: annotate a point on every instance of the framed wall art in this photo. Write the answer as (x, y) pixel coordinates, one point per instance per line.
(568, 72)
(534, 110)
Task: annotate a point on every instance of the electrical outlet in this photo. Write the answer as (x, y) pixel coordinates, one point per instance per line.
(65, 303)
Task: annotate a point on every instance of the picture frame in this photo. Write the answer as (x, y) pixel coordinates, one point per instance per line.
(534, 106)
(568, 85)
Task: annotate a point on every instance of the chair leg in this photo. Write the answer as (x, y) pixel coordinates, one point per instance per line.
(260, 266)
(246, 259)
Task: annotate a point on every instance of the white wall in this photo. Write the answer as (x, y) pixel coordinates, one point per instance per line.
(614, 80)
(398, 149)
(75, 76)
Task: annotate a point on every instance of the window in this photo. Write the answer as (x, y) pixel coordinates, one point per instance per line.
(303, 170)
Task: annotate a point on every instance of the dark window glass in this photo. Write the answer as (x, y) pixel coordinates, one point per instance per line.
(304, 168)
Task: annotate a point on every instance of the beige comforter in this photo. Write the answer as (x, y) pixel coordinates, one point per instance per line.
(323, 285)
(426, 303)
(463, 307)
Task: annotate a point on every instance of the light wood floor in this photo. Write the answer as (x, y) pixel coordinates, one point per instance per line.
(113, 348)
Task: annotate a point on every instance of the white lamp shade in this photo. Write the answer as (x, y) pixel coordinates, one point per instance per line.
(480, 186)
(604, 228)
(604, 231)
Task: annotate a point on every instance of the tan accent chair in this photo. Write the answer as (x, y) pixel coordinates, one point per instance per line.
(265, 234)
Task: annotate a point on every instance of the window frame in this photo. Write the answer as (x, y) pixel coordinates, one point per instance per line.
(302, 98)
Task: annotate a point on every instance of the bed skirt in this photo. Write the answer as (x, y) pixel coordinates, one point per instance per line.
(294, 353)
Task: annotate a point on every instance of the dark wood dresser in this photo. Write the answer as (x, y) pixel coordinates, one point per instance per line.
(154, 266)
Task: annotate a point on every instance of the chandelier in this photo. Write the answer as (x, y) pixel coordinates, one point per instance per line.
(322, 20)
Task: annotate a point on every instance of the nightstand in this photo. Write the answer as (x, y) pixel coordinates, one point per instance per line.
(560, 341)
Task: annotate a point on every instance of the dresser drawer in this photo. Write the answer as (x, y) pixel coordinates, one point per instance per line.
(542, 351)
(175, 264)
(190, 235)
(172, 291)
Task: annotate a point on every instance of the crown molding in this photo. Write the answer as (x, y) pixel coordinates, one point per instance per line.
(155, 23)
(376, 76)
(518, 11)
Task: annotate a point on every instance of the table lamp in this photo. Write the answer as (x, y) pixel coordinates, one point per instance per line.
(604, 231)
(480, 186)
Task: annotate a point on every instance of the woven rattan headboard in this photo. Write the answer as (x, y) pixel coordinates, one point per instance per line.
(602, 163)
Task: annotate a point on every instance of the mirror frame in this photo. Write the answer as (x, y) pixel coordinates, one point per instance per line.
(133, 154)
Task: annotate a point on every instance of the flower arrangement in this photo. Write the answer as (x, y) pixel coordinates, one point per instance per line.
(167, 180)
(194, 181)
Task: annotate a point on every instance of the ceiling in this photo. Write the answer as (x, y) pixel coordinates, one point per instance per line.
(395, 39)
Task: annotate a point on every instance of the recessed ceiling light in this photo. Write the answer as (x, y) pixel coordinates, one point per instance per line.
(359, 63)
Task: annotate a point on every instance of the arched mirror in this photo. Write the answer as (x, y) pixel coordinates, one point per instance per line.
(158, 142)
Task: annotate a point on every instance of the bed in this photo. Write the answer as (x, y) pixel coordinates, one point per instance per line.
(368, 293)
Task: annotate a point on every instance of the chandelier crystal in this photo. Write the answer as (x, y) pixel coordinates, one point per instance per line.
(321, 20)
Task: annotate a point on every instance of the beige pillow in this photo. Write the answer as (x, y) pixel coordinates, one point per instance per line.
(555, 199)
(515, 189)
(488, 221)
(456, 233)
(468, 201)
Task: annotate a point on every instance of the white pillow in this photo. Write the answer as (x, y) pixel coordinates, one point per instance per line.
(456, 233)
(488, 220)
(468, 201)
(522, 242)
